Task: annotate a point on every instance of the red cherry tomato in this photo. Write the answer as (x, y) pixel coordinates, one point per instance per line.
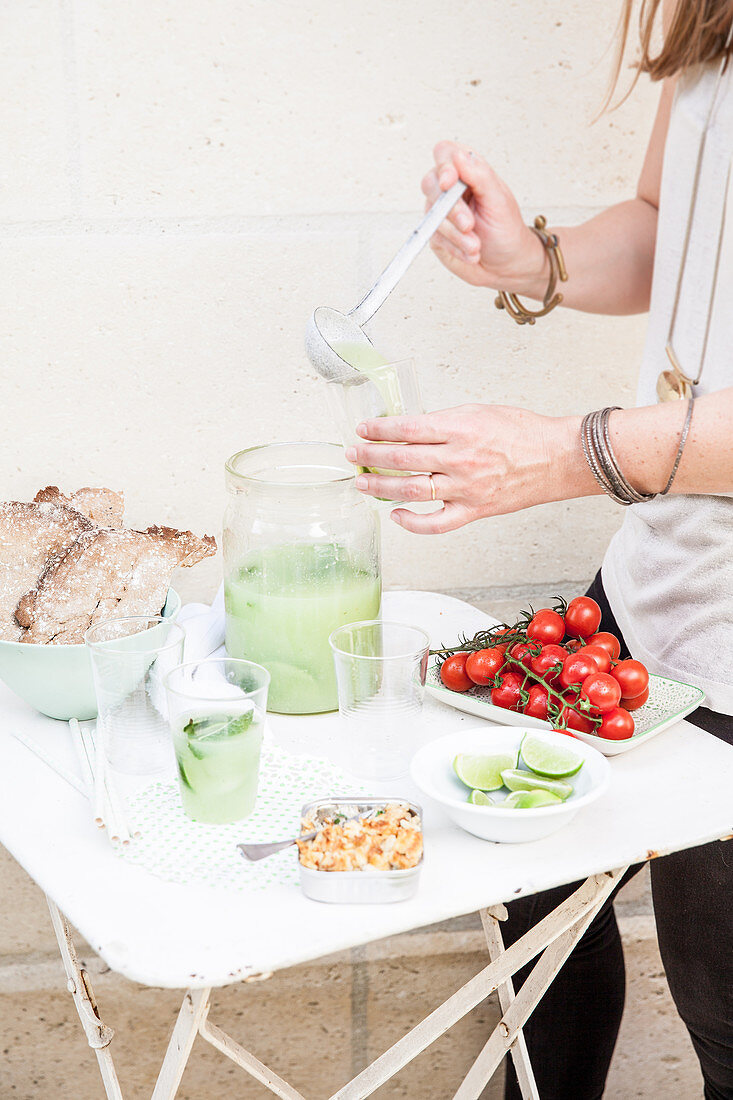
(638, 701)
(546, 627)
(507, 695)
(521, 653)
(453, 673)
(617, 725)
(483, 665)
(602, 692)
(632, 676)
(583, 617)
(536, 705)
(548, 657)
(575, 721)
(576, 667)
(572, 645)
(600, 655)
(609, 642)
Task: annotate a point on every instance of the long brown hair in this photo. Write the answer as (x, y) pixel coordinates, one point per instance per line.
(697, 33)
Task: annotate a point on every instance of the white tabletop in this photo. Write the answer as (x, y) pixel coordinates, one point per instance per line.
(671, 793)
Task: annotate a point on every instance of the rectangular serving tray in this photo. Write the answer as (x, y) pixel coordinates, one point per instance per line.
(669, 701)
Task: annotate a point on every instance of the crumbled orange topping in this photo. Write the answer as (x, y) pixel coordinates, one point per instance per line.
(390, 841)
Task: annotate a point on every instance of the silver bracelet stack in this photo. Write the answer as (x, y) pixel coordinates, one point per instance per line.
(596, 441)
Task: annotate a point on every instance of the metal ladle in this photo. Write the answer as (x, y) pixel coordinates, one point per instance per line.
(328, 327)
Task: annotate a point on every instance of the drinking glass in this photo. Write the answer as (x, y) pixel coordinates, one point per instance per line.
(217, 715)
(388, 390)
(130, 656)
(380, 673)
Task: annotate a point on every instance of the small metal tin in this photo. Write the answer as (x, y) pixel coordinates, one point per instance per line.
(358, 887)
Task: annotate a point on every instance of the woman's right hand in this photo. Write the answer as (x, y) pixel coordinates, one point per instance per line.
(484, 239)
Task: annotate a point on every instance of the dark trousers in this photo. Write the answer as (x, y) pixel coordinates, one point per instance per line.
(572, 1032)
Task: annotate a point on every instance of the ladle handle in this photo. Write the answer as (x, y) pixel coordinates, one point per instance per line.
(388, 280)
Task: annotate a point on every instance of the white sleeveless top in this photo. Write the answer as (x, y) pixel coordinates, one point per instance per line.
(668, 571)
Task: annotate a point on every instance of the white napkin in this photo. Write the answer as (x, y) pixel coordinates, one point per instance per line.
(204, 627)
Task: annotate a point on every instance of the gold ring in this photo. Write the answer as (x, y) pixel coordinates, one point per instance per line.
(432, 487)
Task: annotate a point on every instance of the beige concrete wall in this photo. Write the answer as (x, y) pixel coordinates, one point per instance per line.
(181, 182)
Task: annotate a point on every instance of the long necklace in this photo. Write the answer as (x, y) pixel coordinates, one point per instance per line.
(675, 385)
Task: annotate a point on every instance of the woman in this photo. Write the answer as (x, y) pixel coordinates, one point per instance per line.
(666, 582)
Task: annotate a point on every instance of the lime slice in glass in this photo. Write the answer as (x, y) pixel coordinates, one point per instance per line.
(550, 761)
(528, 781)
(480, 798)
(483, 773)
(530, 800)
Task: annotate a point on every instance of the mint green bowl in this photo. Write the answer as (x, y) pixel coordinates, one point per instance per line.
(57, 679)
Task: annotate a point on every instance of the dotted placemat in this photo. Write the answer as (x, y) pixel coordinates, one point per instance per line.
(177, 849)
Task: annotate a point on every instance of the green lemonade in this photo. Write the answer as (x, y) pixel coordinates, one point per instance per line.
(281, 606)
(218, 756)
(368, 361)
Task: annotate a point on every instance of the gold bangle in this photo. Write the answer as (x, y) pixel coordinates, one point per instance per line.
(510, 302)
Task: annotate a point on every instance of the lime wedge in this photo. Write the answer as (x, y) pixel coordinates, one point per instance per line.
(550, 761)
(528, 781)
(530, 800)
(480, 798)
(483, 773)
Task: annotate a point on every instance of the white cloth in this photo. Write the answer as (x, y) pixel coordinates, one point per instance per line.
(204, 628)
(668, 572)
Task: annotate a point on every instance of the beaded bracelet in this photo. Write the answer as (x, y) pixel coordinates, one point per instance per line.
(510, 302)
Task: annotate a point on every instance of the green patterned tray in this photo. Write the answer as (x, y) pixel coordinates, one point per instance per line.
(669, 701)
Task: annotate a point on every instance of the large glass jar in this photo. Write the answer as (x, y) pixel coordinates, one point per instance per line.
(301, 557)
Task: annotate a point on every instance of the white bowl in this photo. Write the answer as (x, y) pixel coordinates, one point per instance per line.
(432, 770)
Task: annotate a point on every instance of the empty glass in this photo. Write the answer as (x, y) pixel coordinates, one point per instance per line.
(380, 672)
(217, 714)
(130, 656)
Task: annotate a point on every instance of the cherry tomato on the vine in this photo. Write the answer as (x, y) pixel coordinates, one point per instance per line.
(576, 667)
(576, 721)
(617, 725)
(546, 627)
(453, 672)
(483, 665)
(549, 656)
(507, 695)
(636, 702)
(521, 653)
(609, 642)
(632, 676)
(536, 705)
(583, 617)
(600, 655)
(602, 692)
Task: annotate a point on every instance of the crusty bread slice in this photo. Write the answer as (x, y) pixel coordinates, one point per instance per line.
(106, 573)
(102, 506)
(29, 535)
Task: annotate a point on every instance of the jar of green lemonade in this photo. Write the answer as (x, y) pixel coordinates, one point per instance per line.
(301, 557)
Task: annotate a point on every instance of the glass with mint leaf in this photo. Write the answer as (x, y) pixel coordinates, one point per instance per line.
(217, 713)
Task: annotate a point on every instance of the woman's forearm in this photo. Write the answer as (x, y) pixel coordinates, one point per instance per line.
(609, 261)
(645, 442)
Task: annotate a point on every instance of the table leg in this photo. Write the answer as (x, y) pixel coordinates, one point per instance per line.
(490, 919)
(192, 1013)
(99, 1035)
(521, 1006)
(586, 900)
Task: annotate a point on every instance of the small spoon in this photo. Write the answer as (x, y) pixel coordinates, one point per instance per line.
(254, 852)
(328, 327)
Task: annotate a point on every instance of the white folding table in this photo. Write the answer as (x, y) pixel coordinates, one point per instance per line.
(47, 825)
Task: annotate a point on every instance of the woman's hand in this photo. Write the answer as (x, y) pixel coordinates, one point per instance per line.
(485, 460)
(484, 239)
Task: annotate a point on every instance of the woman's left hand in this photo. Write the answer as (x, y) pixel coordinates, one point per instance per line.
(483, 460)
